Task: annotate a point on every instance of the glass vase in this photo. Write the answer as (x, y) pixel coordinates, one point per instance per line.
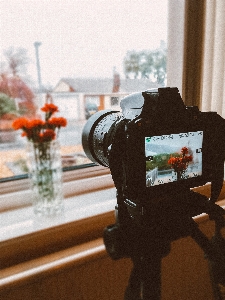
(45, 172)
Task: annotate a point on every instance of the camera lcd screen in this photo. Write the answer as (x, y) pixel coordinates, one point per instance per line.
(173, 157)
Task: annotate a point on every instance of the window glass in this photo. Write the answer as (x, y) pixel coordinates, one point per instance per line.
(114, 101)
(83, 56)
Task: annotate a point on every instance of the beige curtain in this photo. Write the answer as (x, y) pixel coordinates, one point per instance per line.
(175, 41)
(193, 51)
(213, 71)
(196, 52)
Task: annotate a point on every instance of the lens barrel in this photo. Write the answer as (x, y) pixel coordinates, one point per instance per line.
(95, 136)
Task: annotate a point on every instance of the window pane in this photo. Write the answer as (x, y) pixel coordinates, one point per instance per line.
(83, 56)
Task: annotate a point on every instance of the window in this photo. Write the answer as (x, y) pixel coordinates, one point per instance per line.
(70, 53)
(73, 52)
(95, 179)
(114, 101)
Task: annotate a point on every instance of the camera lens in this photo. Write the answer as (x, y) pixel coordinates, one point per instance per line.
(97, 133)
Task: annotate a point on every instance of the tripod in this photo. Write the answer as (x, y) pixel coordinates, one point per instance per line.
(146, 243)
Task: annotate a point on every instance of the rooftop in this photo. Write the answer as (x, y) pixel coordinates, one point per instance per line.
(103, 85)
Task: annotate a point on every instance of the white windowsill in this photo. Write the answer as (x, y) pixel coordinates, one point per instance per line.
(17, 194)
(81, 204)
(22, 221)
(89, 203)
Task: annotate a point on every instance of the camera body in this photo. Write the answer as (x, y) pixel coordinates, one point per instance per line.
(157, 149)
(170, 148)
(156, 146)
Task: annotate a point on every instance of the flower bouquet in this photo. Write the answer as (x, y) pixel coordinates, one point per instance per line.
(44, 159)
(180, 163)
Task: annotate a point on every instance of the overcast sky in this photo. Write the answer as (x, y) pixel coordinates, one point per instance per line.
(81, 37)
(193, 140)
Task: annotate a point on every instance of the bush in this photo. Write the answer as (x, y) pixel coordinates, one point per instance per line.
(7, 105)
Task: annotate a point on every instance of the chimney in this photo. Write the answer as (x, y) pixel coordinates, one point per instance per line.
(116, 81)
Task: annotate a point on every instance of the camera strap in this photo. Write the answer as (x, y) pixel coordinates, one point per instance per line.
(217, 183)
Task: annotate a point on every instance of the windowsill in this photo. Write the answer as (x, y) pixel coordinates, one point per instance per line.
(16, 194)
(20, 222)
(24, 236)
(90, 199)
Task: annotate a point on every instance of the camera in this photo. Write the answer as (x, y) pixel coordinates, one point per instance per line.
(157, 149)
(157, 145)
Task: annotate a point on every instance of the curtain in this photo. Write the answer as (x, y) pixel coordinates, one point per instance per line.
(193, 51)
(213, 74)
(175, 41)
(196, 52)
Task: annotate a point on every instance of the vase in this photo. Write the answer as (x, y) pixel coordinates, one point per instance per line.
(45, 173)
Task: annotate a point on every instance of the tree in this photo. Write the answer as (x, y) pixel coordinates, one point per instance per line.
(132, 64)
(16, 60)
(159, 65)
(12, 82)
(146, 64)
(16, 88)
(7, 105)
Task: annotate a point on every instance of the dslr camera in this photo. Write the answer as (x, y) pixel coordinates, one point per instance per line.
(157, 150)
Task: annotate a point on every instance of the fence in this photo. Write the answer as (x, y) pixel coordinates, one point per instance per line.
(151, 177)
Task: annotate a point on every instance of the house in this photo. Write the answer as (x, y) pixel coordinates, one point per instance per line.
(106, 93)
(103, 85)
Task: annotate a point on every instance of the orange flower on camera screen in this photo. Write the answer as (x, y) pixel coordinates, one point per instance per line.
(23, 134)
(184, 150)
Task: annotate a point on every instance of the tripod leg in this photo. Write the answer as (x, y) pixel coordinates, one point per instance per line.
(133, 291)
(145, 279)
(209, 249)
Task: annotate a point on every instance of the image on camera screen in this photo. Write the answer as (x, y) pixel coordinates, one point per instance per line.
(173, 157)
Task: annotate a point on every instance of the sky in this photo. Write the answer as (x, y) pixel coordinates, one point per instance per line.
(193, 140)
(81, 38)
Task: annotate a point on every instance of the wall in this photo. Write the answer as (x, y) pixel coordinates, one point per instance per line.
(72, 105)
(85, 272)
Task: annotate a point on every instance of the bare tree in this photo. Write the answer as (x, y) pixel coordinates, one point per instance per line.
(17, 60)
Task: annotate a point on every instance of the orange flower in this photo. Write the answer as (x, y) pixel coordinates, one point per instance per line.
(35, 123)
(184, 150)
(38, 130)
(23, 134)
(48, 135)
(57, 122)
(20, 123)
(172, 160)
(50, 108)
